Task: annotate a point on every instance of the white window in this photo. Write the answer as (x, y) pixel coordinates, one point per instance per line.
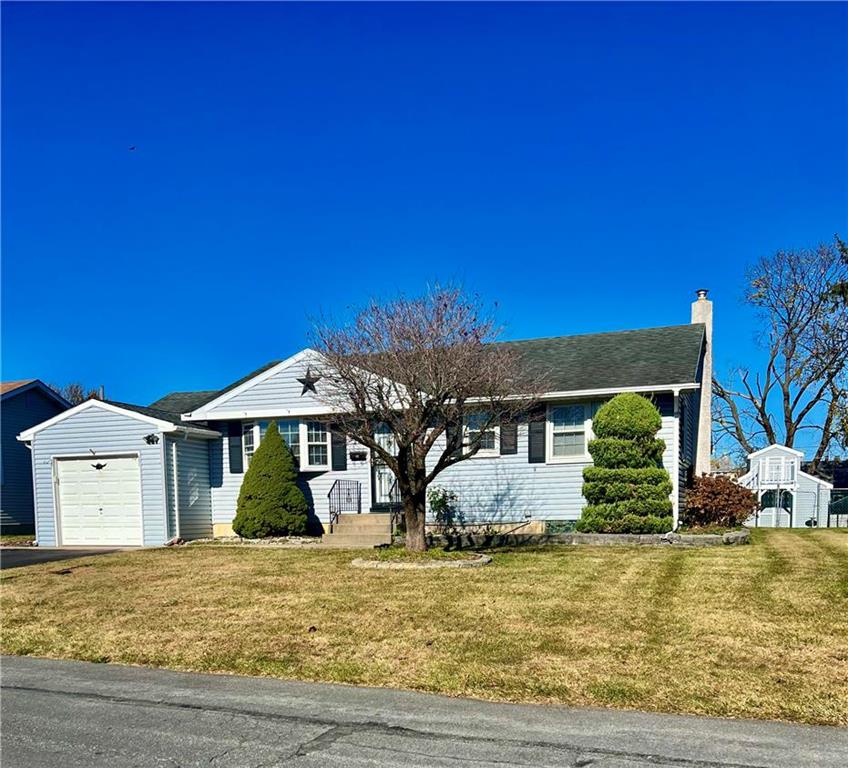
(568, 429)
(289, 430)
(296, 433)
(476, 424)
(774, 470)
(248, 441)
(317, 450)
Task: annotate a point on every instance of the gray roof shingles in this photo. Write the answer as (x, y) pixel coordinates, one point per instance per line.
(157, 413)
(641, 358)
(647, 357)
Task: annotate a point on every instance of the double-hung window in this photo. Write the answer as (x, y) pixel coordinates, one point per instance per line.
(567, 429)
(312, 434)
(478, 426)
(289, 430)
(317, 453)
(248, 441)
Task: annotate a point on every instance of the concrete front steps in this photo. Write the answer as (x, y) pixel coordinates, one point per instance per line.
(360, 531)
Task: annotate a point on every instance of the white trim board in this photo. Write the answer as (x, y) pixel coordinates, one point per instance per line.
(268, 413)
(784, 448)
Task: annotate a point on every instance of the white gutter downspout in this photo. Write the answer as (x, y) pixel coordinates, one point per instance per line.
(176, 492)
(675, 454)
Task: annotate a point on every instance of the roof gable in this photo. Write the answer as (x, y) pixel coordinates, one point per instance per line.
(159, 419)
(10, 389)
(273, 390)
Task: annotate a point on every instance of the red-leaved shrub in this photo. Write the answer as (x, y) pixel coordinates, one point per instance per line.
(718, 501)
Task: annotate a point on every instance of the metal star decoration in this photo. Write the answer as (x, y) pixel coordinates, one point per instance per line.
(309, 381)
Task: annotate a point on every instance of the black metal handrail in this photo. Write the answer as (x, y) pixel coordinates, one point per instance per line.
(396, 509)
(344, 496)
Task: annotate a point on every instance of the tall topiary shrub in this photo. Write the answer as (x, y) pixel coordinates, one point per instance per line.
(270, 503)
(627, 489)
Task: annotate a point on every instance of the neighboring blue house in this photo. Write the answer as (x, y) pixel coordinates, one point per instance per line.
(23, 404)
(113, 473)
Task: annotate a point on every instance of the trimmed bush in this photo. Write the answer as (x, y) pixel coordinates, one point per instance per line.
(627, 489)
(642, 476)
(614, 453)
(601, 493)
(627, 416)
(718, 501)
(270, 503)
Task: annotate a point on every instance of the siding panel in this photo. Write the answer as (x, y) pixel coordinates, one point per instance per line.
(195, 498)
(17, 413)
(510, 489)
(278, 393)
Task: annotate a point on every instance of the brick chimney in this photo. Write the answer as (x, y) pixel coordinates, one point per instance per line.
(702, 312)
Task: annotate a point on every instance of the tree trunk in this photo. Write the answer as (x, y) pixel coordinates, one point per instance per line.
(414, 512)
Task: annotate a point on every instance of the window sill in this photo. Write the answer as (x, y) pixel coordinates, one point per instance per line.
(569, 459)
(486, 455)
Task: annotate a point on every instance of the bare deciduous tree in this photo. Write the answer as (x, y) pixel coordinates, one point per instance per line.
(75, 393)
(418, 368)
(805, 332)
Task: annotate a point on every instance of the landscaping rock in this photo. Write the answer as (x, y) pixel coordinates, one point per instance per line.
(737, 537)
(271, 541)
(406, 565)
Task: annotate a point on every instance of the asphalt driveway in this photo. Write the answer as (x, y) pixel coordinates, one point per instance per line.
(15, 557)
(67, 714)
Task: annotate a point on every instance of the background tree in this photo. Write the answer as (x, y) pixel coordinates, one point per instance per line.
(269, 502)
(804, 330)
(419, 367)
(627, 488)
(74, 392)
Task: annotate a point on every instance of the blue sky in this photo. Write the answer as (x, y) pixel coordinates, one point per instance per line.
(587, 166)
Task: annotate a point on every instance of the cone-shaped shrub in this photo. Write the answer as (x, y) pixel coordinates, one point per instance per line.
(628, 488)
(270, 503)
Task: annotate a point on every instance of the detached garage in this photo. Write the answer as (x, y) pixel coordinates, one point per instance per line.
(114, 474)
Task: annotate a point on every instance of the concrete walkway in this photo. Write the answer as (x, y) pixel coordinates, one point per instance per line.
(60, 713)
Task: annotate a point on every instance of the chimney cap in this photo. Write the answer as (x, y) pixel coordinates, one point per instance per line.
(702, 293)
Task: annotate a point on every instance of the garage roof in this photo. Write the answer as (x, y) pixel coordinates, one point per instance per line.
(167, 422)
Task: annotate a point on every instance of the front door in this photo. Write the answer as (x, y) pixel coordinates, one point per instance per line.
(384, 479)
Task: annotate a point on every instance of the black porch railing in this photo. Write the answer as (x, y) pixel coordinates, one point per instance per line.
(396, 510)
(344, 496)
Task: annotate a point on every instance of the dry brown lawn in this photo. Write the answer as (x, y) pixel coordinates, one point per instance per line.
(758, 631)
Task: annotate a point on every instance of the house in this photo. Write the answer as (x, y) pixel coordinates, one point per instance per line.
(22, 405)
(789, 497)
(113, 473)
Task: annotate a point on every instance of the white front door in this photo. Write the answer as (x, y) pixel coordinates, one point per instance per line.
(99, 500)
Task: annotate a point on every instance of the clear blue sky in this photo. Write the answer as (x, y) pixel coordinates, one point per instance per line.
(587, 166)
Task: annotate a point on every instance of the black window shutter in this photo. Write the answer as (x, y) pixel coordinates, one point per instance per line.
(338, 443)
(536, 442)
(509, 438)
(234, 446)
(452, 434)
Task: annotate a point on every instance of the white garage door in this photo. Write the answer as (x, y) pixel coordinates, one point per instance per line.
(100, 500)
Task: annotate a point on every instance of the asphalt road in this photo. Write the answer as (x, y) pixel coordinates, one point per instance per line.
(68, 714)
(15, 557)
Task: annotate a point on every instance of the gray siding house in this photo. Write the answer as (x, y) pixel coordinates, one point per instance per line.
(22, 405)
(180, 462)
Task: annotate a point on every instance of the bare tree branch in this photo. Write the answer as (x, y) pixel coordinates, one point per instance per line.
(805, 330)
(420, 368)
